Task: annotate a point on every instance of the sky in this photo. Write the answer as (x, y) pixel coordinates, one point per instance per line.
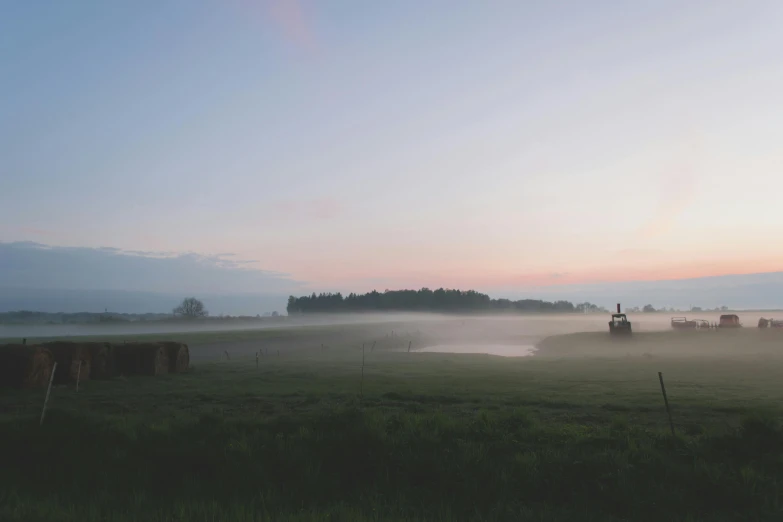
(352, 145)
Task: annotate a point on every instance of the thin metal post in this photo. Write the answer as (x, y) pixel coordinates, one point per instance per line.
(361, 383)
(48, 391)
(666, 402)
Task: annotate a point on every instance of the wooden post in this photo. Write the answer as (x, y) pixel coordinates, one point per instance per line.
(361, 383)
(228, 358)
(373, 346)
(78, 376)
(256, 360)
(409, 346)
(48, 391)
(666, 402)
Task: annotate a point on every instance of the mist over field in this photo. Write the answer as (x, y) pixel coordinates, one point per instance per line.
(472, 333)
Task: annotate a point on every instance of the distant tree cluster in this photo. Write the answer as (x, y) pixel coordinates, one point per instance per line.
(31, 317)
(440, 300)
(650, 308)
(589, 308)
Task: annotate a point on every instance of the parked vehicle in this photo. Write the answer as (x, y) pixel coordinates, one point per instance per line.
(619, 325)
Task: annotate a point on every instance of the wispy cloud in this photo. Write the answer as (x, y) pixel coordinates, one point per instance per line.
(24, 231)
(677, 189)
(636, 252)
(28, 264)
(35, 231)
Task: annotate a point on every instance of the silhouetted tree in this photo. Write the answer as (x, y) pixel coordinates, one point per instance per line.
(190, 307)
(648, 308)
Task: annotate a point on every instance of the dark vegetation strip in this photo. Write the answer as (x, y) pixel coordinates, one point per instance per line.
(496, 464)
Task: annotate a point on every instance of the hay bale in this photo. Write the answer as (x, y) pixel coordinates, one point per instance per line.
(69, 355)
(179, 356)
(25, 366)
(141, 359)
(102, 360)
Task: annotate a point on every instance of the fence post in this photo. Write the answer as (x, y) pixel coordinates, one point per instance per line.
(78, 376)
(666, 402)
(361, 383)
(409, 346)
(48, 391)
(256, 360)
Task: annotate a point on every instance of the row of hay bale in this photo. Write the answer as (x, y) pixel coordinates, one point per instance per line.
(30, 366)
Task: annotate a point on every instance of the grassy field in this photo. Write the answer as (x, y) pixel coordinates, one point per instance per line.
(566, 435)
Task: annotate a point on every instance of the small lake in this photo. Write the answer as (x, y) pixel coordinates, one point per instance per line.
(503, 350)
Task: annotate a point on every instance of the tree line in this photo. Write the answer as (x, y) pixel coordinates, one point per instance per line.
(648, 308)
(440, 300)
(189, 309)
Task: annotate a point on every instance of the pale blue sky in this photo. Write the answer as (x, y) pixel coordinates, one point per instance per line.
(396, 144)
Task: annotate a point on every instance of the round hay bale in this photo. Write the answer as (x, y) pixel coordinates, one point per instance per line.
(179, 356)
(141, 359)
(69, 357)
(101, 360)
(25, 366)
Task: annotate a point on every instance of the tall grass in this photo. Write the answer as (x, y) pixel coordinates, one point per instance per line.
(434, 438)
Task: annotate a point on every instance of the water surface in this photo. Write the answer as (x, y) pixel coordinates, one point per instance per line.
(503, 350)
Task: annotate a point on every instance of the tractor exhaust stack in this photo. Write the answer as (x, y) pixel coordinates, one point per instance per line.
(618, 308)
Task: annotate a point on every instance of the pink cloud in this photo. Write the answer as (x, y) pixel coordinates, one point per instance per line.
(319, 208)
(34, 231)
(323, 208)
(290, 18)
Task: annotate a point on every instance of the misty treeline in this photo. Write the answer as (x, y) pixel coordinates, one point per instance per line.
(109, 318)
(648, 308)
(32, 317)
(440, 300)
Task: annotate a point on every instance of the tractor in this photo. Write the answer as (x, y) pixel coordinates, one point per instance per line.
(619, 325)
